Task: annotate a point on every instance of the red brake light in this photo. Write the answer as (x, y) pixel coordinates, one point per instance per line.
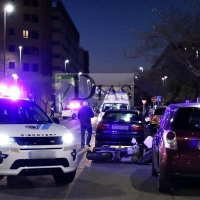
(152, 116)
(137, 127)
(102, 126)
(170, 135)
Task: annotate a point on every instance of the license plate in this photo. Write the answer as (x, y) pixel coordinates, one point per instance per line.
(42, 154)
(119, 127)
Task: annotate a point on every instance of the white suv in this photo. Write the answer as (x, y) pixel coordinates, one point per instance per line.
(69, 113)
(32, 144)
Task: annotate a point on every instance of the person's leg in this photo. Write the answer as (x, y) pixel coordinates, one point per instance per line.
(89, 130)
(83, 135)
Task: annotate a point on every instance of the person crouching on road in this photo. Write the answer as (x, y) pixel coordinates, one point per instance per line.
(85, 114)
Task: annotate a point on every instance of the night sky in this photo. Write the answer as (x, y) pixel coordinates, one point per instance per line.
(105, 29)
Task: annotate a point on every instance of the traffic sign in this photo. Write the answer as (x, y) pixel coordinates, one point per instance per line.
(158, 98)
(153, 99)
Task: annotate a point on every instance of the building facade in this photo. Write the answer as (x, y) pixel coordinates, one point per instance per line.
(38, 37)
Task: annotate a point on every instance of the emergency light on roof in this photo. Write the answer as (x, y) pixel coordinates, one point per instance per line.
(12, 92)
(74, 105)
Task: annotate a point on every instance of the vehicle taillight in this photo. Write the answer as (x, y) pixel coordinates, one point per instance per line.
(170, 139)
(152, 116)
(137, 127)
(102, 126)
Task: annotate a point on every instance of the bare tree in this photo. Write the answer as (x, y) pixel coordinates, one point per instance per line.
(38, 87)
(174, 36)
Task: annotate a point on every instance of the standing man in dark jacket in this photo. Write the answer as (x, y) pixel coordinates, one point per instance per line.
(85, 114)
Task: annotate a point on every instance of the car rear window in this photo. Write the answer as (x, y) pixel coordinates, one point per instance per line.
(117, 116)
(187, 118)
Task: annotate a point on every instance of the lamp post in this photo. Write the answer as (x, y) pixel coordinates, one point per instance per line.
(141, 68)
(164, 85)
(15, 78)
(8, 8)
(20, 58)
(66, 61)
(164, 80)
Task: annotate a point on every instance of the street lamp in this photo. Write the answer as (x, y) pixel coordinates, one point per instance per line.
(164, 80)
(15, 78)
(164, 85)
(66, 62)
(141, 68)
(8, 8)
(20, 57)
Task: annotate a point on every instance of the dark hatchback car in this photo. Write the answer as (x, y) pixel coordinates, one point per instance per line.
(176, 145)
(119, 127)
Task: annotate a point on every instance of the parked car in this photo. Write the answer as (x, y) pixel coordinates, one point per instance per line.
(119, 127)
(176, 145)
(157, 114)
(69, 113)
(33, 144)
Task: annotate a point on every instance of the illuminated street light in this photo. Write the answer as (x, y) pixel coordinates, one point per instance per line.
(20, 58)
(8, 8)
(141, 68)
(164, 80)
(66, 62)
(15, 78)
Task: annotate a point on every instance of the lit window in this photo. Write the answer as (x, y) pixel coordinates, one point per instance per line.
(25, 33)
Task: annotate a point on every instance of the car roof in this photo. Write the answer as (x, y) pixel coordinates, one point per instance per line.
(121, 110)
(184, 105)
(10, 98)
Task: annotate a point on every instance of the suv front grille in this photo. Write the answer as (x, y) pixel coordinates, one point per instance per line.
(39, 163)
(38, 140)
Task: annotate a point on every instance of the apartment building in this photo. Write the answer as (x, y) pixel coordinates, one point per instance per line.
(38, 37)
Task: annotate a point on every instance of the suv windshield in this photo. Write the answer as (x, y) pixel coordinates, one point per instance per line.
(121, 116)
(21, 112)
(187, 118)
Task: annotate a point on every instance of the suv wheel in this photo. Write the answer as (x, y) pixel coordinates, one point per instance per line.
(64, 178)
(164, 185)
(74, 116)
(64, 117)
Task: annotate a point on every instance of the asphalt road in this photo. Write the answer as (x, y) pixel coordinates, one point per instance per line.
(98, 181)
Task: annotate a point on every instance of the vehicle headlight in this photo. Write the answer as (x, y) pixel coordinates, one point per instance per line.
(4, 139)
(68, 138)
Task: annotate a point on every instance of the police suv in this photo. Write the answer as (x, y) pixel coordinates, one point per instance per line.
(33, 144)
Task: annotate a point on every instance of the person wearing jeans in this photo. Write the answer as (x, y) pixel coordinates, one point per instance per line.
(85, 114)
